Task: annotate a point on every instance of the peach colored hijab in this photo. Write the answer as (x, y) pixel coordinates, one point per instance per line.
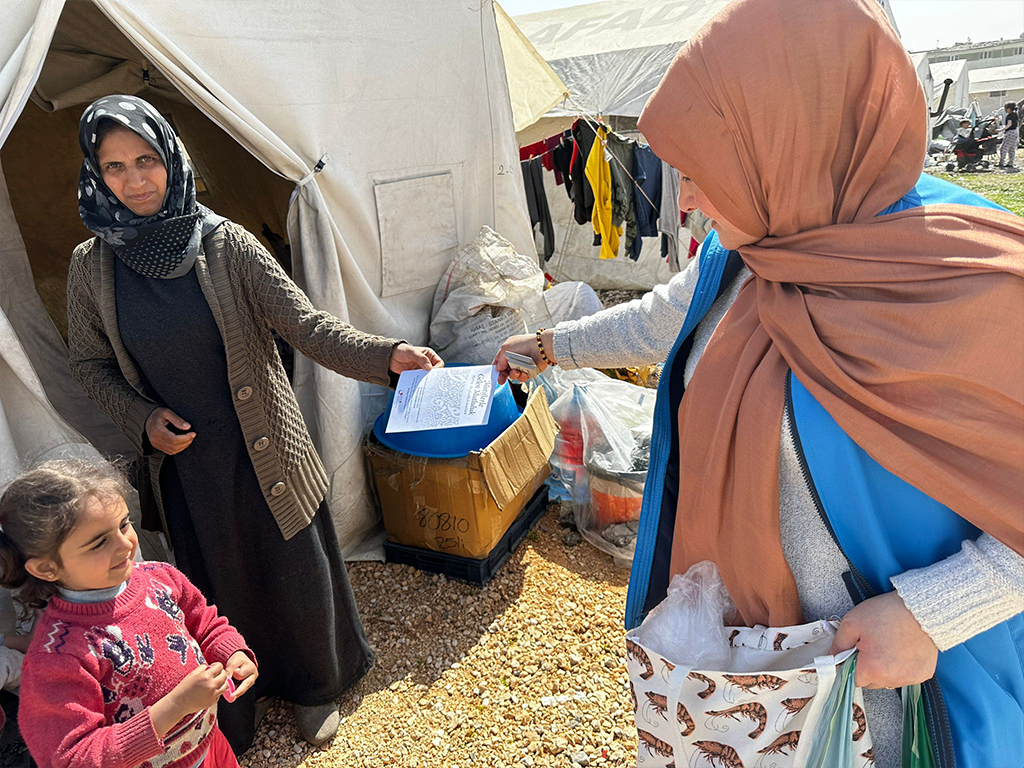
(800, 122)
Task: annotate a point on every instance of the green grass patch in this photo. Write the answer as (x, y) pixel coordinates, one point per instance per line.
(1005, 189)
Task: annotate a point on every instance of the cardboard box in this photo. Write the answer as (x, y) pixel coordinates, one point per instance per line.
(464, 506)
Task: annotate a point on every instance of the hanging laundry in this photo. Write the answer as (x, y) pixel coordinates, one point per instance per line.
(537, 203)
(549, 145)
(620, 160)
(698, 224)
(668, 222)
(600, 177)
(532, 150)
(583, 194)
(646, 195)
(561, 156)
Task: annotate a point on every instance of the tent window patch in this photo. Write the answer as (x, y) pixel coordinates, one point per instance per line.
(418, 232)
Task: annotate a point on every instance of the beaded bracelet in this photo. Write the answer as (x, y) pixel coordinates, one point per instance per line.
(540, 346)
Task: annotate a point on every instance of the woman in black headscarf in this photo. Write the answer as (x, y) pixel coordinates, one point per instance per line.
(171, 310)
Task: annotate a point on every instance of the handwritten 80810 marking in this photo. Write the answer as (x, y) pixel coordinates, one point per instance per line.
(442, 522)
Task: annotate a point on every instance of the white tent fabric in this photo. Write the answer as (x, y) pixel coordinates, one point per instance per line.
(410, 101)
(1006, 78)
(920, 62)
(994, 86)
(612, 54)
(39, 341)
(30, 430)
(533, 86)
(959, 96)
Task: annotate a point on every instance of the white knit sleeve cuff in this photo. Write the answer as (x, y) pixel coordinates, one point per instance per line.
(961, 596)
(561, 345)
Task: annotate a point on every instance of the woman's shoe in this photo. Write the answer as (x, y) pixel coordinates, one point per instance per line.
(319, 724)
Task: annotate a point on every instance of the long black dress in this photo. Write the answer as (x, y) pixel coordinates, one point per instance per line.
(291, 600)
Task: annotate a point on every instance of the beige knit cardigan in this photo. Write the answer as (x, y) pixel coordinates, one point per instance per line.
(249, 294)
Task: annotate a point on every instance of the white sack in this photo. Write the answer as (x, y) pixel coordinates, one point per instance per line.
(571, 301)
(490, 292)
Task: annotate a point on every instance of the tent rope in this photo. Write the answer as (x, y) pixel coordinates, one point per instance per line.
(595, 125)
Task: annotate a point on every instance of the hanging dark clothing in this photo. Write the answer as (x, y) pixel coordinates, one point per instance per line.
(583, 194)
(549, 159)
(561, 156)
(291, 599)
(537, 203)
(621, 165)
(646, 195)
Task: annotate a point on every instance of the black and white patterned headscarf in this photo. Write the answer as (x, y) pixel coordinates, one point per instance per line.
(163, 245)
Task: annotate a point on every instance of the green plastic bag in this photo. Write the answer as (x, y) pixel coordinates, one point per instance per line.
(833, 736)
(917, 743)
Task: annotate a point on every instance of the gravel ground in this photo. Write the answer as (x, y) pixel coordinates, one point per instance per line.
(614, 296)
(528, 671)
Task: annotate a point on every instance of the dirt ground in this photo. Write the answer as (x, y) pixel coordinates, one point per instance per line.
(528, 671)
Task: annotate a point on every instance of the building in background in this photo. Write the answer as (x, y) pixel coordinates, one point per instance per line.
(990, 73)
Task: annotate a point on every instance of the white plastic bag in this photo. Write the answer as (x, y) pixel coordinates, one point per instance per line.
(571, 301)
(489, 293)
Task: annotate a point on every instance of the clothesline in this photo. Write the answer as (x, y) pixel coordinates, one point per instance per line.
(596, 123)
(580, 113)
(539, 154)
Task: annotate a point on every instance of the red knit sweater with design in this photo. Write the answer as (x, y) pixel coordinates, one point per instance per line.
(93, 671)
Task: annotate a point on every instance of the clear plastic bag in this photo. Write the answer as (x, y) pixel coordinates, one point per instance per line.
(601, 457)
(688, 626)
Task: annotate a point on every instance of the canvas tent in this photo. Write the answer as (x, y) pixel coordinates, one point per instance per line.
(959, 92)
(920, 62)
(405, 103)
(992, 87)
(611, 56)
(533, 86)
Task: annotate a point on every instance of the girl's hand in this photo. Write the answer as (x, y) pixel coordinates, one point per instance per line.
(165, 439)
(198, 691)
(408, 358)
(241, 667)
(525, 345)
(892, 649)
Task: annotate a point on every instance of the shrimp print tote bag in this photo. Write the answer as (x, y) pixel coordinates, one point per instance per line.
(752, 714)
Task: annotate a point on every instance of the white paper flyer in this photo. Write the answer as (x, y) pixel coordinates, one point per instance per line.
(443, 398)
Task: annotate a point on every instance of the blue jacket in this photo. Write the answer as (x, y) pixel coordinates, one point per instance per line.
(883, 525)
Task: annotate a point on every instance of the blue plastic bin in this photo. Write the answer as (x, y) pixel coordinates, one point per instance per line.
(455, 442)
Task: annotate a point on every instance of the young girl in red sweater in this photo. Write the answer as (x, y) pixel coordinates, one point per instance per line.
(128, 661)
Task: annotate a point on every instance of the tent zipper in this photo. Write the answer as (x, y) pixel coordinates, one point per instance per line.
(935, 705)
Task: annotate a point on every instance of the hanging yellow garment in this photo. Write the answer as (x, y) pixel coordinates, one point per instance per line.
(600, 177)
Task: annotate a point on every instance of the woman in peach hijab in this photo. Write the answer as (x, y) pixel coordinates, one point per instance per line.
(851, 439)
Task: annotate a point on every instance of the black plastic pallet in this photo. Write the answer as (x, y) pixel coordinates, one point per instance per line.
(469, 569)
